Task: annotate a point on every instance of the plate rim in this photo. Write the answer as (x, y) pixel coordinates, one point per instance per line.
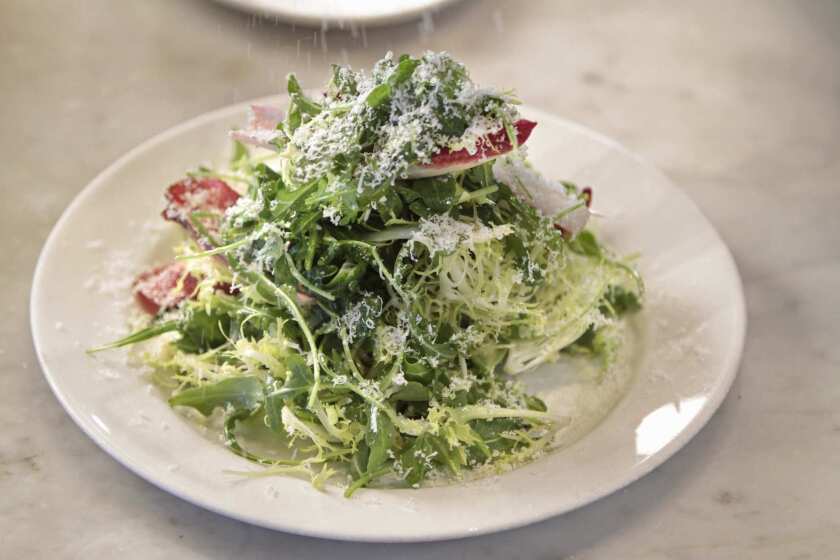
(716, 396)
(292, 16)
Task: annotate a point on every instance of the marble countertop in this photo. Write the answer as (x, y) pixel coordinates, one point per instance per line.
(738, 102)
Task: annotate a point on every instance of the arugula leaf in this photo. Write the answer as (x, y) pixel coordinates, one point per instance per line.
(621, 301)
(202, 330)
(292, 85)
(418, 371)
(412, 391)
(378, 95)
(379, 438)
(142, 335)
(429, 197)
(239, 156)
(403, 71)
(239, 393)
(585, 243)
(418, 459)
(400, 74)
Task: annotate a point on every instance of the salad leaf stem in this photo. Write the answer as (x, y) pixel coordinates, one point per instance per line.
(289, 303)
(306, 283)
(140, 336)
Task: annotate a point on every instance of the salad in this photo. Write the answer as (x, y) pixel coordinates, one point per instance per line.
(357, 293)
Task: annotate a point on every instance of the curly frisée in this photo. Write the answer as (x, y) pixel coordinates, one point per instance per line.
(357, 292)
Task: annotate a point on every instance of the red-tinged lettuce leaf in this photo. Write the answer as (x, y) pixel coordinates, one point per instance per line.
(164, 287)
(488, 147)
(199, 205)
(262, 128)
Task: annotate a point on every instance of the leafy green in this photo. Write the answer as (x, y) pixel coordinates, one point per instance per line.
(621, 301)
(377, 318)
(379, 438)
(586, 244)
(239, 393)
(412, 391)
(202, 330)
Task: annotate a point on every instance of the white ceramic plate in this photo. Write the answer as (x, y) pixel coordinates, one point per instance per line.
(340, 12)
(687, 347)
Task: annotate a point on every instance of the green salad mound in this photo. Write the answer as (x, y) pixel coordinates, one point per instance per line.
(382, 298)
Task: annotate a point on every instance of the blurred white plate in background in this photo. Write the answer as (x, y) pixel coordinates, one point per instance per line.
(355, 12)
(689, 343)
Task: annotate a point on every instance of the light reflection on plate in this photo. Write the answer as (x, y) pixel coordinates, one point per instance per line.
(664, 424)
(98, 421)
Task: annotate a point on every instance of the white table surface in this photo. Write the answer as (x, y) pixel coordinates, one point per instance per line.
(739, 102)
